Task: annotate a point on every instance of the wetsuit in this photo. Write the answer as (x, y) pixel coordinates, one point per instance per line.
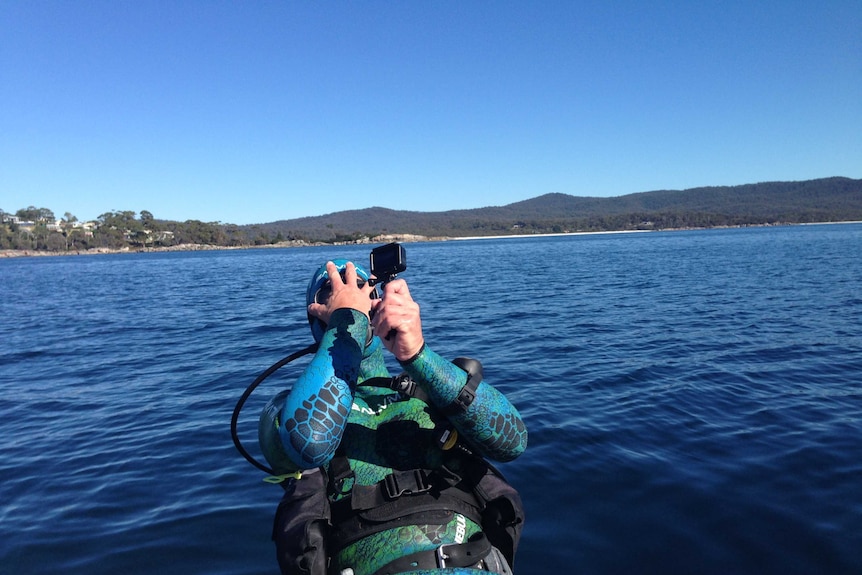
(332, 419)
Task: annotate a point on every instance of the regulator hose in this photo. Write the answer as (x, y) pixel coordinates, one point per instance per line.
(248, 391)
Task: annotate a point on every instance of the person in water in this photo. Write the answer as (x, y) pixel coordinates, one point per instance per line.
(388, 475)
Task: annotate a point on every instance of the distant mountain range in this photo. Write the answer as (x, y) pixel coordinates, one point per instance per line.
(821, 200)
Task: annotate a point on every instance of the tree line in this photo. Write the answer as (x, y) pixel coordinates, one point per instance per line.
(37, 229)
(823, 200)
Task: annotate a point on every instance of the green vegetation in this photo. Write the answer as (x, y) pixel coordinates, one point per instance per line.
(771, 203)
(36, 229)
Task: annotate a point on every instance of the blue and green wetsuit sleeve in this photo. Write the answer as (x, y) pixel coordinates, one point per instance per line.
(316, 410)
(491, 424)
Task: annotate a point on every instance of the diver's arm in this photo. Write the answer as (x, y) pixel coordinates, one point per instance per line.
(490, 423)
(315, 412)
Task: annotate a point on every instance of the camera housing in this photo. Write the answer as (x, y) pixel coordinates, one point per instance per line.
(387, 262)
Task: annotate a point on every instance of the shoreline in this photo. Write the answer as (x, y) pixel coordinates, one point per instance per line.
(387, 238)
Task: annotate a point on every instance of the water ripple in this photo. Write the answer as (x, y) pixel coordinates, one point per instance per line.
(693, 399)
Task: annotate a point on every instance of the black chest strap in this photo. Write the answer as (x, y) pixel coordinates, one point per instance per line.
(445, 434)
(402, 383)
(465, 554)
(403, 497)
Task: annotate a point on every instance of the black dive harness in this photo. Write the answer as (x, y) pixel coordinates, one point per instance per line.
(404, 497)
(408, 497)
(412, 496)
(309, 528)
(425, 496)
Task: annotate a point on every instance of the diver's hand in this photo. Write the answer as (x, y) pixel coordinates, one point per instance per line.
(396, 321)
(345, 294)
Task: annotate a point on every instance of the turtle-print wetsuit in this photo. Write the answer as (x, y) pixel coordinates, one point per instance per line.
(330, 413)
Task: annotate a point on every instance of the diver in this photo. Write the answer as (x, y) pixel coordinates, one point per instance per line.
(383, 474)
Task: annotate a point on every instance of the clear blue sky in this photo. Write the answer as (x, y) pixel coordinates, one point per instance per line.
(249, 112)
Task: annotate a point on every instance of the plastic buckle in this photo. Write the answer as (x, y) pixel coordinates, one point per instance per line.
(404, 385)
(409, 484)
(465, 398)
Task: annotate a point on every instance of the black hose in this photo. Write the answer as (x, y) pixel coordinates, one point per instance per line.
(248, 391)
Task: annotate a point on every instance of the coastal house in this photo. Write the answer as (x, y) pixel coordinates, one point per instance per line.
(25, 225)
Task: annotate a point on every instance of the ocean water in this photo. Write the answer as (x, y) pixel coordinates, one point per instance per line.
(694, 399)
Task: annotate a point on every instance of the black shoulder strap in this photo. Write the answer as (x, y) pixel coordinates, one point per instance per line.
(401, 383)
(404, 385)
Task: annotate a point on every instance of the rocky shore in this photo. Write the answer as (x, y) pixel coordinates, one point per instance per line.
(205, 247)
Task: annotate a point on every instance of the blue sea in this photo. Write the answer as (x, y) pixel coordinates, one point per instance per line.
(694, 398)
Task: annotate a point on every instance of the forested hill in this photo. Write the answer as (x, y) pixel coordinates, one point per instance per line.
(822, 200)
(825, 200)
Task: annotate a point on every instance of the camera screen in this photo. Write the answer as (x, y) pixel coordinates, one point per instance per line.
(388, 260)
